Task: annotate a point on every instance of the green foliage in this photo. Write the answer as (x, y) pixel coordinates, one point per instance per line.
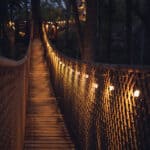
(52, 10)
(71, 49)
(18, 9)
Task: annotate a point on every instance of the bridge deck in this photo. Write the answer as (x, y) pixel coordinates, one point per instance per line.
(45, 128)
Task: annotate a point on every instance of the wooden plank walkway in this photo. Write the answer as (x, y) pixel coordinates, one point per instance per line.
(45, 128)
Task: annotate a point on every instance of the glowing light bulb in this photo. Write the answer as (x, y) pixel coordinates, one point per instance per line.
(95, 85)
(86, 76)
(136, 93)
(111, 88)
(60, 62)
(46, 27)
(71, 69)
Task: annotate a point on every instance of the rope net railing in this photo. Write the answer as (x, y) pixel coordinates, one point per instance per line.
(105, 106)
(13, 96)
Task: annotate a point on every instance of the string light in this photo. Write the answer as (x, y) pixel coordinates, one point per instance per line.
(95, 85)
(111, 88)
(86, 76)
(136, 93)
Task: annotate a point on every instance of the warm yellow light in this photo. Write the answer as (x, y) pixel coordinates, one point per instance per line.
(95, 85)
(53, 26)
(63, 65)
(60, 62)
(86, 76)
(78, 73)
(13, 28)
(10, 23)
(46, 27)
(48, 45)
(111, 88)
(72, 70)
(136, 93)
(22, 34)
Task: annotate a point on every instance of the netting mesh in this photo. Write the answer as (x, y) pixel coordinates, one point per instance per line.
(105, 107)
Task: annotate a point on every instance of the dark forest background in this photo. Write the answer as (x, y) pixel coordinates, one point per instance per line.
(106, 31)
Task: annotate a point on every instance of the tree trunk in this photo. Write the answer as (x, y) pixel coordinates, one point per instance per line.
(78, 25)
(90, 39)
(27, 17)
(147, 33)
(36, 18)
(3, 17)
(129, 31)
(3, 20)
(110, 22)
(67, 16)
(99, 8)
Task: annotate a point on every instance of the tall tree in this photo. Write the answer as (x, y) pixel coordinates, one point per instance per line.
(67, 16)
(110, 22)
(27, 15)
(147, 32)
(90, 38)
(3, 20)
(99, 22)
(129, 30)
(36, 16)
(78, 25)
(3, 16)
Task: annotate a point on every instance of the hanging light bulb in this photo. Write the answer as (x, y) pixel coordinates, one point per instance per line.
(111, 88)
(95, 85)
(86, 76)
(136, 93)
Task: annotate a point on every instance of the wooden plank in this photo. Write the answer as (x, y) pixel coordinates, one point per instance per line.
(45, 127)
(50, 145)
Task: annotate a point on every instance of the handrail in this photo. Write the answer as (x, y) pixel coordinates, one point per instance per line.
(13, 97)
(5, 62)
(105, 106)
